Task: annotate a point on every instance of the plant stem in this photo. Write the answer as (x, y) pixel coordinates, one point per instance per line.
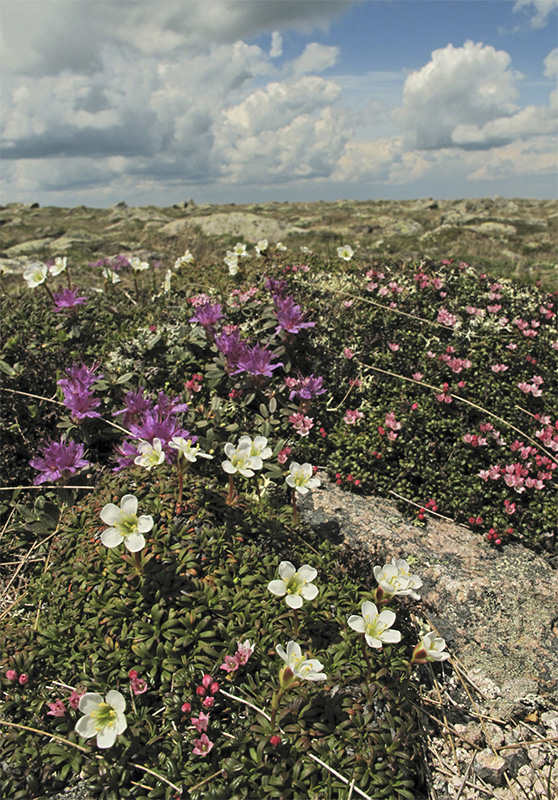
(275, 706)
(369, 664)
(48, 291)
(180, 485)
(231, 496)
(295, 512)
(137, 559)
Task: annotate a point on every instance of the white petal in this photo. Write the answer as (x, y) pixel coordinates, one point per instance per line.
(390, 636)
(111, 537)
(307, 573)
(129, 504)
(371, 641)
(106, 737)
(289, 480)
(245, 442)
(110, 514)
(246, 472)
(121, 723)
(134, 542)
(286, 570)
(277, 587)
(281, 652)
(229, 450)
(145, 523)
(89, 702)
(369, 610)
(228, 467)
(309, 591)
(85, 726)
(293, 600)
(356, 623)
(301, 489)
(386, 618)
(116, 700)
(293, 650)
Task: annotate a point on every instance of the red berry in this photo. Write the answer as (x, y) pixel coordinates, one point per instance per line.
(274, 740)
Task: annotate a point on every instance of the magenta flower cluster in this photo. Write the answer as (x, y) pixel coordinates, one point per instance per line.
(305, 388)
(78, 397)
(57, 460)
(289, 315)
(67, 299)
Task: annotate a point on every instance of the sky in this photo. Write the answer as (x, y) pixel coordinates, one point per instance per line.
(288, 100)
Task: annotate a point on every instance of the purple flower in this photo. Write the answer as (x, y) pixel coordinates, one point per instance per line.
(305, 388)
(276, 287)
(67, 298)
(57, 459)
(207, 315)
(232, 347)
(136, 404)
(78, 398)
(289, 315)
(257, 361)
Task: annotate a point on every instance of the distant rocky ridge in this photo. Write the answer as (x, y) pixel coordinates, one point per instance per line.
(520, 235)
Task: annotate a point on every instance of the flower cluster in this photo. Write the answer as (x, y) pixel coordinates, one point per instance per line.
(533, 387)
(302, 424)
(78, 398)
(352, 417)
(57, 459)
(67, 299)
(243, 652)
(305, 388)
(289, 315)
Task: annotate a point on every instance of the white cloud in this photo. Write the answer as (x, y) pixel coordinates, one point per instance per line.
(315, 58)
(542, 8)
(538, 156)
(469, 85)
(276, 45)
(380, 160)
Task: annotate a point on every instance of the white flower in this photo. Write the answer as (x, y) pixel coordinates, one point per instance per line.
(280, 246)
(58, 266)
(35, 274)
(126, 526)
(186, 448)
(300, 478)
(304, 669)
(231, 260)
(240, 460)
(430, 648)
(375, 626)
(110, 275)
(103, 718)
(151, 454)
(304, 249)
(167, 281)
(240, 250)
(138, 265)
(187, 258)
(346, 252)
(258, 448)
(261, 246)
(395, 579)
(296, 584)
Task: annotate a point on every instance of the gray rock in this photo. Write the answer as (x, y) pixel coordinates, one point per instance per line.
(249, 227)
(493, 229)
(490, 767)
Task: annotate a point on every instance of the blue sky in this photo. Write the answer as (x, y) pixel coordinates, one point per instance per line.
(254, 100)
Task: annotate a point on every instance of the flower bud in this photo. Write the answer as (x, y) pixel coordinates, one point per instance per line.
(207, 702)
(11, 675)
(214, 687)
(274, 740)
(200, 691)
(206, 681)
(186, 708)
(23, 678)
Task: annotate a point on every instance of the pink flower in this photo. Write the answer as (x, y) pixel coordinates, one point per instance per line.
(230, 664)
(499, 367)
(186, 708)
(445, 318)
(284, 454)
(207, 702)
(138, 685)
(392, 436)
(418, 376)
(57, 709)
(200, 723)
(11, 675)
(23, 679)
(393, 347)
(206, 681)
(347, 352)
(509, 507)
(243, 652)
(74, 699)
(391, 422)
(202, 746)
(352, 417)
(301, 424)
(348, 303)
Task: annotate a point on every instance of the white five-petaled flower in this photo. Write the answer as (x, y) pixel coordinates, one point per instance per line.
(257, 446)
(295, 584)
(300, 478)
(59, 265)
(240, 460)
(430, 648)
(35, 274)
(261, 246)
(138, 265)
(304, 669)
(231, 260)
(103, 718)
(375, 626)
(396, 579)
(187, 258)
(151, 455)
(346, 252)
(240, 249)
(126, 526)
(186, 448)
(280, 246)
